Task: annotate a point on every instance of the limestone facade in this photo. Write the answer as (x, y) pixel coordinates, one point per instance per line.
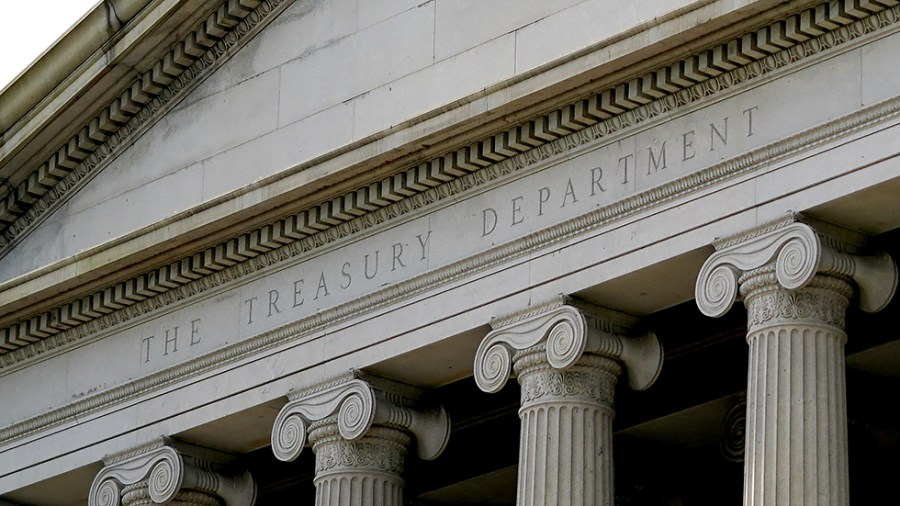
(233, 230)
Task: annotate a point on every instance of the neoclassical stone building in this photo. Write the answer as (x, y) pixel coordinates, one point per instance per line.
(454, 252)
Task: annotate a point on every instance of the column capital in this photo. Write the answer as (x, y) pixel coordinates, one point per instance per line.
(360, 401)
(799, 249)
(568, 329)
(168, 467)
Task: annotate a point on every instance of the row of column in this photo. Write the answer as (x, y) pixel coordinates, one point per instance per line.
(568, 357)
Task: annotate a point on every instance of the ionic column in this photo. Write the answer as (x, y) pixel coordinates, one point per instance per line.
(567, 357)
(360, 428)
(168, 471)
(796, 284)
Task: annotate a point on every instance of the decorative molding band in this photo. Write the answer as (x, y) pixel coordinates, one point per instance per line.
(33, 339)
(358, 403)
(166, 468)
(566, 333)
(799, 253)
(607, 113)
(150, 96)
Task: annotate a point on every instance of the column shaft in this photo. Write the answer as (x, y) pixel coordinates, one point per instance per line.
(565, 455)
(796, 446)
(362, 472)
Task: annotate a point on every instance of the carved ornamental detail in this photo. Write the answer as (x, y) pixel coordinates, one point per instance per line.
(360, 428)
(567, 332)
(356, 404)
(166, 470)
(794, 253)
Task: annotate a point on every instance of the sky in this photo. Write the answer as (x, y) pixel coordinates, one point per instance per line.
(30, 27)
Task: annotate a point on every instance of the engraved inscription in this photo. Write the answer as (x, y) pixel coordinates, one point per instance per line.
(661, 159)
(287, 295)
(293, 294)
(166, 340)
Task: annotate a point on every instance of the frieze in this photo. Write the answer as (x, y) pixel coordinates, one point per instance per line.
(297, 236)
(601, 116)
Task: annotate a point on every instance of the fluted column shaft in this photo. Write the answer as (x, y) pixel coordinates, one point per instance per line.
(363, 472)
(565, 450)
(796, 277)
(796, 446)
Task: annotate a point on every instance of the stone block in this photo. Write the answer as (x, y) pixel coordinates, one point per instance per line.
(303, 28)
(37, 249)
(370, 12)
(879, 81)
(284, 148)
(356, 64)
(464, 24)
(434, 86)
(582, 25)
(132, 210)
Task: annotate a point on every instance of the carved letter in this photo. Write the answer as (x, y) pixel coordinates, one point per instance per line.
(273, 301)
(366, 268)
(625, 167)
(484, 230)
(687, 146)
(423, 243)
(397, 249)
(543, 197)
(345, 270)
(322, 286)
(249, 303)
(749, 114)
(714, 132)
(596, 176)
(298, 289)
(195, 331)
(517, 211)
(146, 342)
(173, 340)
(659, 163)
(570, 192)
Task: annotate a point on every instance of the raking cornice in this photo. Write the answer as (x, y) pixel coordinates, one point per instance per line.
(145, 100)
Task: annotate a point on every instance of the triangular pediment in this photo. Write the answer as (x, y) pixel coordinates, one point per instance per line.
(137, 159)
